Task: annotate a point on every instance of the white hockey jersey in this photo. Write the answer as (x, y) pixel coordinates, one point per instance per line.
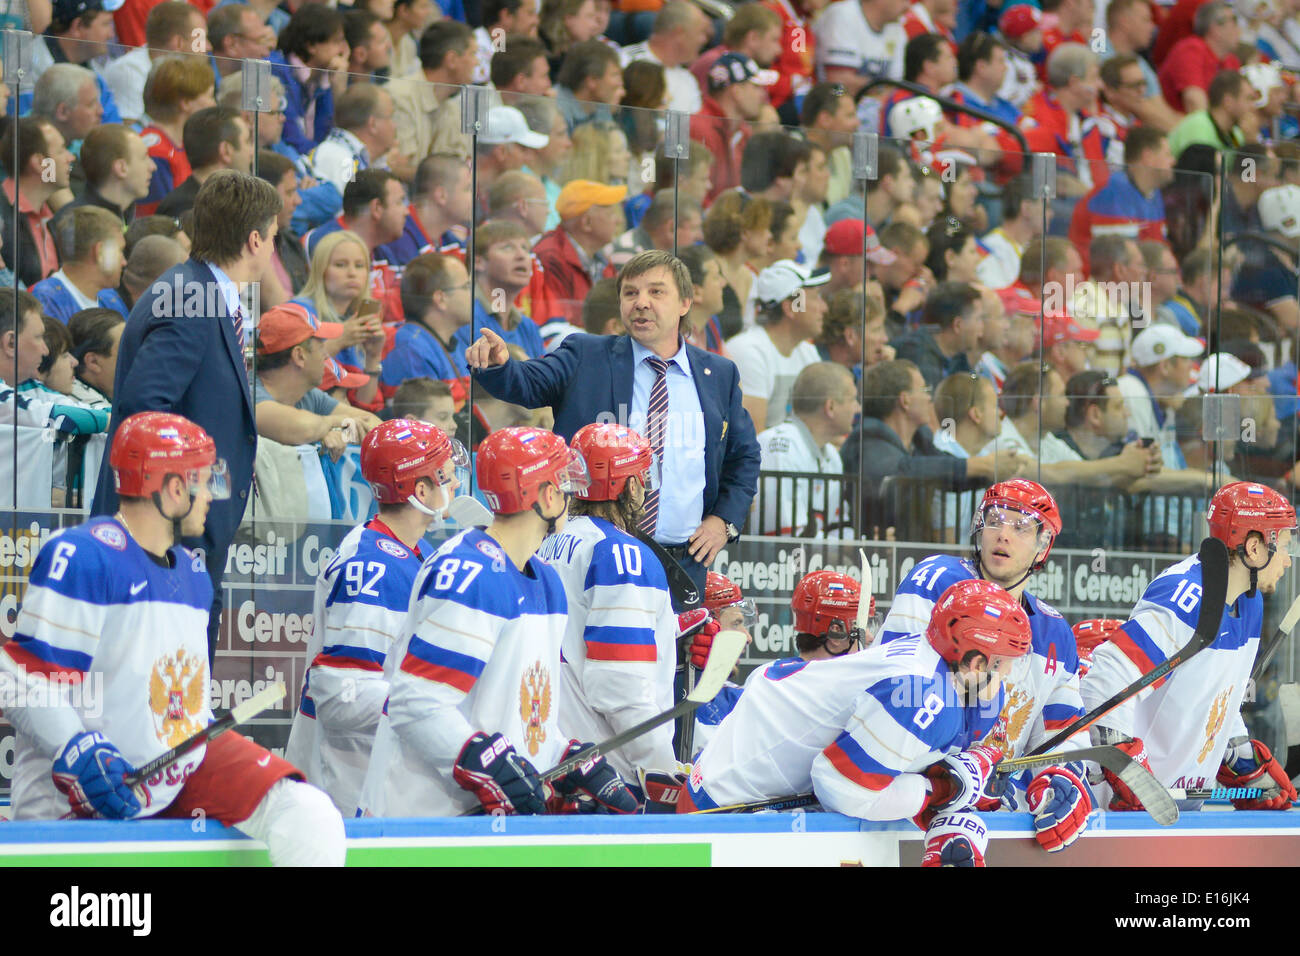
(619, 652)
(480, 652)
(107, 639)
(1042, 687)
(360, 603)
(857, 730)
(1187, 718)
(807, 506)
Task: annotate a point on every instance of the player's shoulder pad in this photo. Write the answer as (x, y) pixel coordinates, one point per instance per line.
(1052, 637)
(86, 556)
(926, 705)
(1177, 591)
(931, 576)
(634, 563)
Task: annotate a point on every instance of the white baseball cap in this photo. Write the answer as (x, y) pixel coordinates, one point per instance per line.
(783, 279)
(1221, 371)
(1279, 210)
(506, 124)
(1156, 343)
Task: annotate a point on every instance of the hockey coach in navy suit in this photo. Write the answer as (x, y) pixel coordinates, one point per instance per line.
(183, 349)
(684, 400)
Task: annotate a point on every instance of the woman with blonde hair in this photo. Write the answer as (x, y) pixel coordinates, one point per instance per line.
(176, 89)
(599, 154)
(338, 290)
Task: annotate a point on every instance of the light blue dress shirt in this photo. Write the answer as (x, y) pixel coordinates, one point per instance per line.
(681, 491)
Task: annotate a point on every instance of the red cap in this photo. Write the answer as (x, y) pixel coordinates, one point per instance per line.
(853, 237)
(1017, 300)
(336, 376)
(1018, 20)
(291, 324)
(1060, 327)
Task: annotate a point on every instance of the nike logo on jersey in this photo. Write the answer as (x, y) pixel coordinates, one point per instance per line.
(138, 587)
(265, 761)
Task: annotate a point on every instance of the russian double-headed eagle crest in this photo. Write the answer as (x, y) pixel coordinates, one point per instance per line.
(1218, 710)
(178, 689)
(535, 705)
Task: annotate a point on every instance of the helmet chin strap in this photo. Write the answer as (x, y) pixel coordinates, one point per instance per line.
(424, 509)
(1254, 572)
(176, 521)
(551, 522)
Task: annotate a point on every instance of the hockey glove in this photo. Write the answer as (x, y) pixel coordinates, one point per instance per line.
(662, 788)
(955, 839)
(1122, 797)
(92, 772)
(957, 781)
(1060, 803)
(1248, 763)
(503, 781)
(701, 629)
(598, 780)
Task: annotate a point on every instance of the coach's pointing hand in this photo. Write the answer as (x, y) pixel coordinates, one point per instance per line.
(488, 352)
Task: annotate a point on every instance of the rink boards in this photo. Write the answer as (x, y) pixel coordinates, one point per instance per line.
(791, 839)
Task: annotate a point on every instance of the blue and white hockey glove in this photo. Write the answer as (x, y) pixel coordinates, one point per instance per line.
(1060, 802)
(503, 781)
(92, 772)
(598, 780)
(955, 839)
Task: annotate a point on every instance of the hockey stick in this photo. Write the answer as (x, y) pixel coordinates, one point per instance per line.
(726, 650)
(1214, 593)
(241, 713)
(680, 585)
(775, 803)
(468, 512)
(1266, 652)
(1155, 798)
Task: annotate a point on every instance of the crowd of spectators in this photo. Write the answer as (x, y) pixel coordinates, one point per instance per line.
(937, 318)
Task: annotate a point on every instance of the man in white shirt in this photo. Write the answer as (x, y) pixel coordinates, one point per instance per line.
(681, 29)
(171, 27)
(1022, 219)
(825, 402)
(773, 353)
(860, 39)
(364, 132)
(1154, 387)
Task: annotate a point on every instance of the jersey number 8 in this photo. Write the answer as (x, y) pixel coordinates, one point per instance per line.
(929, 710)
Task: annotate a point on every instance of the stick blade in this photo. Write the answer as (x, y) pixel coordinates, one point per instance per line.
(468, 512)
(726, 651)
(1155, 798)
(1214, 590)
(258, 703)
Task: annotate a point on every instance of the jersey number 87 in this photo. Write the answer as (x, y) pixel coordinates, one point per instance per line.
(446, 576)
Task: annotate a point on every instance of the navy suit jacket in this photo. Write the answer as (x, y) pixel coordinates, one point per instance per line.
(190, 364)
(589, 378)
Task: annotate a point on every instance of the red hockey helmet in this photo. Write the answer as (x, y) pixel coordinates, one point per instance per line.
(975, 615)
(823, 597)
(721, 592)
(613, 454)
(1089, 635)
(150, 446)
(1241, 507)
(514, 463)
(396, 454)
(1027, 497)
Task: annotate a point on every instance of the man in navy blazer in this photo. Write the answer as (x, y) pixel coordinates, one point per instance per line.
(710, 460)
(182, 350)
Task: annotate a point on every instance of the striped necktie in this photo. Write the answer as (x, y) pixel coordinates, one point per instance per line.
(656, 423)
(238, 320)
